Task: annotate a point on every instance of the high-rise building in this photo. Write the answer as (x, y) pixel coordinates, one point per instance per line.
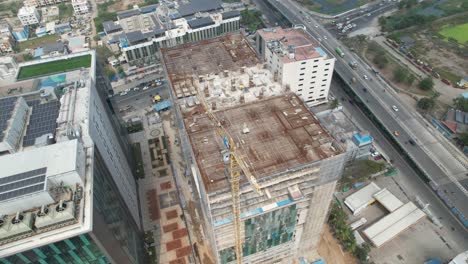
(67, 189)
(298, 61)
(295, 161)
(28, 15)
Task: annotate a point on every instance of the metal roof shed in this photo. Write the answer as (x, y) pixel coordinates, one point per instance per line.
(359, 200)
(388, 200)
(393, 224)
(162, 105)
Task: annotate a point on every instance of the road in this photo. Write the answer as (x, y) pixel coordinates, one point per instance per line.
(140, 99)
(407, 178)
(441, 167)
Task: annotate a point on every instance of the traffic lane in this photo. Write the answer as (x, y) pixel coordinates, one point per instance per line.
(132, 96)
(407, 175)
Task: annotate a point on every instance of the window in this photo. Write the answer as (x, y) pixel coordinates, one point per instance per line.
(312, 82)
(314, 72)
(321, 95)
(302, 69)
(323, 85)
(301, 84)
(315, 66)
(300, 90)
(326, 69)
(322, 90)
(324, 80)
(311, 92)
(327, 64)
(302, 74)
(301, 80)
(313, 77)
(303, 62)
(326, 74)
(316, 60)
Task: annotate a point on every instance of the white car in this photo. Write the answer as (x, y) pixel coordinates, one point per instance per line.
(123, 93)
(136, 89)
(316, 25)
(145, 88)
(365, 77)
(127, 90)
(319, 39)
(324, 37)
(375, 154)
(395, 108)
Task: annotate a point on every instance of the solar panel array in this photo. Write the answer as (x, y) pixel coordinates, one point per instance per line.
(43, 120)
(22, 183)
(7, 105)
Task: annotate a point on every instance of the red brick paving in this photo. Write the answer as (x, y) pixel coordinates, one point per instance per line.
(179, 233)
(165, 185)
(178, 261)
(185, 251)
(170, 227)
(174, 244)
(154, 211)
(171, 214)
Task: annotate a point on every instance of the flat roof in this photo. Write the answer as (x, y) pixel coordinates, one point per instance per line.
(362, 198)
(200, 22)
(393, 224)
(388, 200)
(283, 134)
(230, 52)
(302, 43)
(195, 6)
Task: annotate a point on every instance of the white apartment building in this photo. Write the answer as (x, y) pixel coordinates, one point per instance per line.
(298, 62)
(28, 15)
(80, 7)
(37, 3)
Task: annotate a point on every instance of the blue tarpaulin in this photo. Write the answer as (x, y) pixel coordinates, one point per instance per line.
(163, 105)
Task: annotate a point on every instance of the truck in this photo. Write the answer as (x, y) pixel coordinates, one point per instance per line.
(339, 52)
(352, 64)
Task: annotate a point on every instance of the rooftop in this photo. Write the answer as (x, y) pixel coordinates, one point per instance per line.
(282, 134)
(196, 6)
(293, 41)
(231, 52)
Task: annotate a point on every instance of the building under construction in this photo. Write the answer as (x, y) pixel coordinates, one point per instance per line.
(294, 160)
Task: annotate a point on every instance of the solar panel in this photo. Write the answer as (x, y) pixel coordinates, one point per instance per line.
(7, 105)
(22, 183)
(42, 121)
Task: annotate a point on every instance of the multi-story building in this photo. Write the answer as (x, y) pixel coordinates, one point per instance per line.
(67, 190)
(298, 61)
(38, 3)
(28, 15)
(6, 38)
(141, 32)
(295, 161)
(80, 7)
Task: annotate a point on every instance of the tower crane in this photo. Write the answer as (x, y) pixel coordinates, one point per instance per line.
(237, 165)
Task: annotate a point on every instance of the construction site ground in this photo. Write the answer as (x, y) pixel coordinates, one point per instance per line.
(330, 249)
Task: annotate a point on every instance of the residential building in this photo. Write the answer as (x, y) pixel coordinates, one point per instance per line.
(140, 32)
(21, 33)
(38, 3)
(68, 193)
(8, 67)
(295, 161)
(6, 38)
(298, 61)
(51, 50)
(80, 7)
(28, 15)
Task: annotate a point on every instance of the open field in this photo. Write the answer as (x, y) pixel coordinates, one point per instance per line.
(38, 42)
(458, 32)
(54, 67)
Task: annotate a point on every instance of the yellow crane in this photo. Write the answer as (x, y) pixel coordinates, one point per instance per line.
(237, 165)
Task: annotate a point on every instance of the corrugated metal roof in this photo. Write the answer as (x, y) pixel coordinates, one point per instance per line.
(459, 116)
(200, 22)
(128, 13)
(135, 36)
(196, 6)
(231, 14)
(111, 26)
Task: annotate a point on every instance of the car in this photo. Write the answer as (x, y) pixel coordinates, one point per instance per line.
(145, 88)
(412, 142)
(395, 108)
(324, 37)
(319, 39)
(375, 154)
(396, 133)
(365, 77)
(127, 90)
(136, 89)
(316, 25)
(123, 93)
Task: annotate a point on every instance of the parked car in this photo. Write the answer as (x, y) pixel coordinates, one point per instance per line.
(123, 93)
(412, 142)
(395, 108)
(145, 88)
(365, 77)
(396, 133)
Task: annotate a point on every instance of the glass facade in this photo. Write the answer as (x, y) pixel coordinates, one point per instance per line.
(111, 207)
(80, 249)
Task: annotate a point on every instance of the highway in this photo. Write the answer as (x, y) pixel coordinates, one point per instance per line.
(441, 167)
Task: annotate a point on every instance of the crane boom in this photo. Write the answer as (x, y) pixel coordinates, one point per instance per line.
(237, 165)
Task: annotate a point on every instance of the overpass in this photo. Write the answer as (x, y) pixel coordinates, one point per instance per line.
(444, 167)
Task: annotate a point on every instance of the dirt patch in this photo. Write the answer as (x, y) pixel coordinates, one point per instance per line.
(330, 250)
(124, 5)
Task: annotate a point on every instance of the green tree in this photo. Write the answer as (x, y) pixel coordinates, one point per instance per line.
(464, 138)
(426, 104)
(334, 104)
(410, 79)
(426, 84)
(461, 104)
(28, 57)
(380, 59)
(251, 19)
(400, 74)
(362, 252)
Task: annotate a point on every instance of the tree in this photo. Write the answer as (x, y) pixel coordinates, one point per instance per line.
(400, 74)
(410, 79)
(28, 57)
(426, 103)
(461, 104)
(464, 138)
(362, 252)
(380, 60)
(426, 84)
(334, 104)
